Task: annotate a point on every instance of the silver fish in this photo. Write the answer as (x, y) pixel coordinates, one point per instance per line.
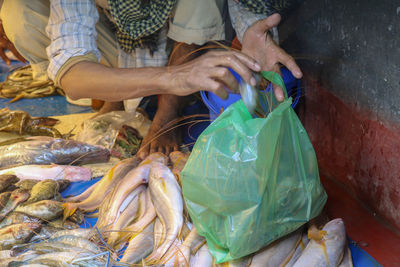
(47, 150)
(167, 199)
(328, 250)
(279, 252)
(140, 246)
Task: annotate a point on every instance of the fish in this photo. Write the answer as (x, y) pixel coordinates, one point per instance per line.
(46, 232)
(183, 257)
(84, 195)
(139, 246)
(15, 218)
(46, 247)
(299, 249)
(18, 196)
(279, 252)
(159, 233)
(4, 197)
(103, 187)
(129, 214)
(6, 180)
(148, 216)
(43, 190)
(178, 160)
(76, 241)
(19, 260)
(325, 247)
(59, 258)
(46, 210)
(202, 258)
(347, 260)
(60, 223)
(17, 234)
(20, 122)
(130, 182)
(167, 199)
(52, 172)
(47, 150)
(26, 184)
(86, 233)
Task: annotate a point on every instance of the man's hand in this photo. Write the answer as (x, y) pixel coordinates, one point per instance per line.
(6, 44)
(260, 46)
(210, 72)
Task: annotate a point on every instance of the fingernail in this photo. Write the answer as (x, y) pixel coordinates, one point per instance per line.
(257, 66)
(253, 81)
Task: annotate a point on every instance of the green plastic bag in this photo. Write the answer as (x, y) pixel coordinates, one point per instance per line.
(251, 181)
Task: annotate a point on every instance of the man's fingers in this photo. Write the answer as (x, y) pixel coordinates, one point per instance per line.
(223, 75)
(241, 64)
(4, 57)
(290, 63)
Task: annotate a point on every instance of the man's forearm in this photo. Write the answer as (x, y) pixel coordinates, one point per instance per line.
(92, 80)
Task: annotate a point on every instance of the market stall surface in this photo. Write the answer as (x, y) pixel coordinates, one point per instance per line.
(58, 106)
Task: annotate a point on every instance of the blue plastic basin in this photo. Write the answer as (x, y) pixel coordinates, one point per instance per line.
(216, 104)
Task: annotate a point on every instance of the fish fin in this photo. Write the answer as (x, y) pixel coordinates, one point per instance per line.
(69, 209)
(315, 234)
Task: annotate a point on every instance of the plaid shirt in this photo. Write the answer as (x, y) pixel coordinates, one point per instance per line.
(72, 32)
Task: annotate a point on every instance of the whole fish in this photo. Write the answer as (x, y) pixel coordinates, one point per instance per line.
(129, 214)
(17, 234)
(4, 197)
(130, 182)
(47, 150)
(16, 217)
(76, 241)
(58, 258)
(103, 187)
(26, 184)
(18, 261)
(183, 257)
(202, 258)
(6, 180)
(87, 233)
(167, 199)
(148, 216)
(299, 249)
(279, 252)
(18, 196)
(139, 246)
(326, 247)
(43, 190)
(46, 210)
(52, 171)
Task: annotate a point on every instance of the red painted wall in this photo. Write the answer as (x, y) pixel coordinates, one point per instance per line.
(359, 152)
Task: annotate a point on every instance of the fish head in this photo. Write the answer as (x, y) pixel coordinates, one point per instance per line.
(335, 229)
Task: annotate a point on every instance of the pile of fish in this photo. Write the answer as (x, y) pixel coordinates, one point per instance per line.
(140, 210)
(20, 84)
(32, 229)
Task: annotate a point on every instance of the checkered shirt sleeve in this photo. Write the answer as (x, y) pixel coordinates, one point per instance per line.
(72, 32)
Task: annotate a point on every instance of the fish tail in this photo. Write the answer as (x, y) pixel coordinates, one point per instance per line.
(69, 209)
